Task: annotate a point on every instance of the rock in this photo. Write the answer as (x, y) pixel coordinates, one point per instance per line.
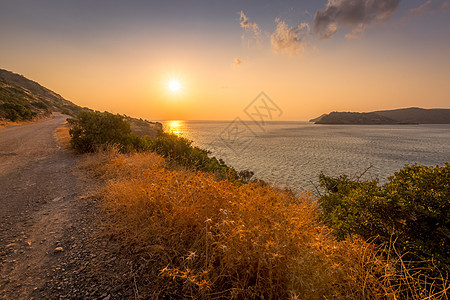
(58, 249)
(57, 199)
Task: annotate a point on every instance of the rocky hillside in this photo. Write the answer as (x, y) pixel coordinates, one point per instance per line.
(23, 99)
(413, 115)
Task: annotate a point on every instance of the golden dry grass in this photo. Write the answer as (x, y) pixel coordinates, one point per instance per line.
(62, 135)
(5, 123)
(194, 237)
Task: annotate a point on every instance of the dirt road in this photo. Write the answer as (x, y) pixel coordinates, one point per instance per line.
(38, 193)
(52, 243)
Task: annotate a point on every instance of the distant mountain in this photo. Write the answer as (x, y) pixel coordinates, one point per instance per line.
(318, 118)
(413, 115)
(24, 99)
(417, 115)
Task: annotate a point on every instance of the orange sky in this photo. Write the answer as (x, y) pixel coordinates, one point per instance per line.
(402, 62)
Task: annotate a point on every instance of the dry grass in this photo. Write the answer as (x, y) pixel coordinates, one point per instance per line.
(62, 135)
(191, 236)
(5, 123)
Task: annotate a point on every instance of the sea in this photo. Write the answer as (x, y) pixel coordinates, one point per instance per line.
(293, 154)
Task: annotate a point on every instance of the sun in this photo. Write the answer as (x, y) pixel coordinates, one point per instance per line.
(174, 86)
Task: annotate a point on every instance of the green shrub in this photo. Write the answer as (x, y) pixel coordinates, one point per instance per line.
(40, 105)
(71, 110)
(15, 111)
(181, 151)
(412, 208)
(90, 130)
(14, 105)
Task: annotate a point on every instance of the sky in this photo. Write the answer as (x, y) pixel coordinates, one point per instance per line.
(309, 57)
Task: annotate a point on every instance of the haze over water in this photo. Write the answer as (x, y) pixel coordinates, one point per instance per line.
(293, 154)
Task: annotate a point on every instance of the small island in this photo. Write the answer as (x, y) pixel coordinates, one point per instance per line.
(407, 116)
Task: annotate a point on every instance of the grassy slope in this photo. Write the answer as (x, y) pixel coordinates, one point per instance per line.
(37, 102)
(29, 99)
(188, 234)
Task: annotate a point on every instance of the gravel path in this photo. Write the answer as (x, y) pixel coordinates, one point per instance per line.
(37, 187)
(51, 242)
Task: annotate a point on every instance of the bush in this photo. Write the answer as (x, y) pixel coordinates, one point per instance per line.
(181, 151)
(40, 105)
(15, 111)
(412, 208)
(71, 110)
(90, 130)
(187, 235)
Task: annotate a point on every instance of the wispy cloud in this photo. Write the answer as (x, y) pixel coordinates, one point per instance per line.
(249, 27)
(290, 40)
(357, 32)
(428, 6)
(356, 14)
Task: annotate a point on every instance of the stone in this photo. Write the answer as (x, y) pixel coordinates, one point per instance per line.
(58, 249)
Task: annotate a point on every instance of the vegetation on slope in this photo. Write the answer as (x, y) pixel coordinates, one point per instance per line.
(412, 208)
(22, 99)
(412, 115)
(13, 107)
(353, 118)
(90, 131)
(189, 235)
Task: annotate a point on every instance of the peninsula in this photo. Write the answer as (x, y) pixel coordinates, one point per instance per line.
(412, 115)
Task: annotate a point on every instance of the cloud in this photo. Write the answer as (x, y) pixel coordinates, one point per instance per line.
(357, 32)
(356, 14)
(245, 23)
(428, 6)
(253, 28)
(289, 39)
(237, 62)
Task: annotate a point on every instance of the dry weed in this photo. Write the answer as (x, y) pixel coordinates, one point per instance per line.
(191, 235)
(62, 135)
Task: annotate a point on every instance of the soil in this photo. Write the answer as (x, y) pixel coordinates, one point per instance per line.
(51, 242)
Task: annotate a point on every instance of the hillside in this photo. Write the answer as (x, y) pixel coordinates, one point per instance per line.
(354, 118)
(417, 115)
(413, 115)
(23, 99)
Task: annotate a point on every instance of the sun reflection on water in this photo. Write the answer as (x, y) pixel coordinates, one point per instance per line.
(174, 127)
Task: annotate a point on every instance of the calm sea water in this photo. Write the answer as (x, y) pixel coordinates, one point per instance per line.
(292, 154)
